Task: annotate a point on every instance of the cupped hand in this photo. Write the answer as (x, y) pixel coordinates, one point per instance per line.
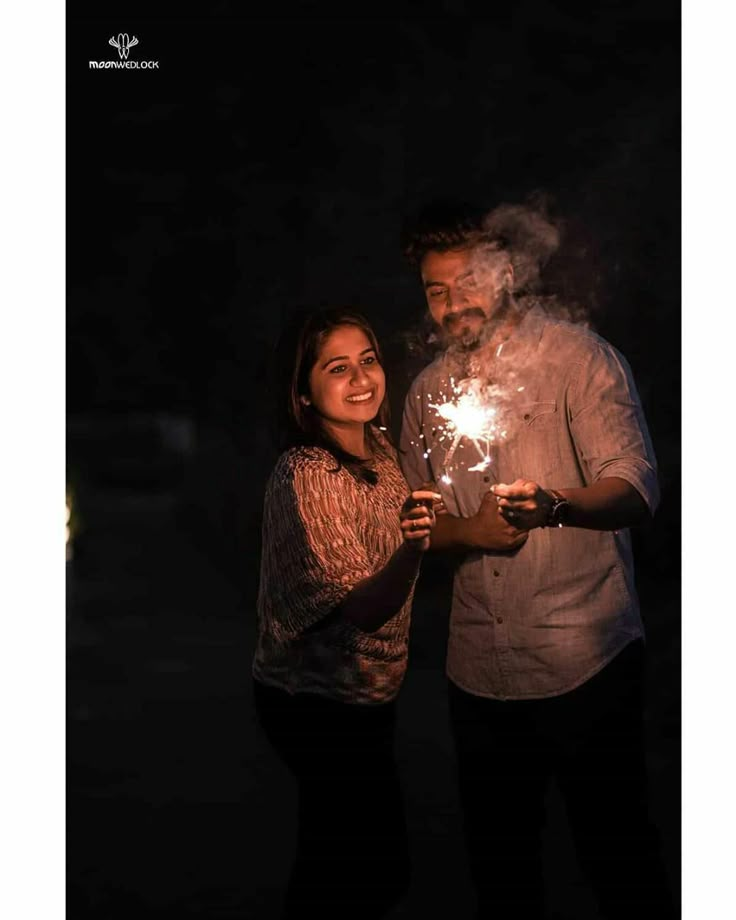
(417, 518)
(523, 503)
(492, 531)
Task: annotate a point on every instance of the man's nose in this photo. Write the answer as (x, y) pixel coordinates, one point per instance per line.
(456, 300)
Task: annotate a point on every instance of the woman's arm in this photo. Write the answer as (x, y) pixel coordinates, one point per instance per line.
(374, 600)
(313, 562)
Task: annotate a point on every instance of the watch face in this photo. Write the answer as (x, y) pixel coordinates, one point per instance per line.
(558, 512)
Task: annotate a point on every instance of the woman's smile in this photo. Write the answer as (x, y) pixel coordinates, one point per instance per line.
(362, 397)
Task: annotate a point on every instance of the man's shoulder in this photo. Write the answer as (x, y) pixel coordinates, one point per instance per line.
(432, 375)
(574, 340)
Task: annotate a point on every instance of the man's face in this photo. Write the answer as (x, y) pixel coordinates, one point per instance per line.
(464, 288)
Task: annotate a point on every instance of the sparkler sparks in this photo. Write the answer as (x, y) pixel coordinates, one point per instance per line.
(473, 413)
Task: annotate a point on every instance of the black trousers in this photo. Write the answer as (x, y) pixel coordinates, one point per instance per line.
(591, 741)
(352, 857)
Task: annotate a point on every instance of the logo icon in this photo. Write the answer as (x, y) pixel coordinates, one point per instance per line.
(123, 43)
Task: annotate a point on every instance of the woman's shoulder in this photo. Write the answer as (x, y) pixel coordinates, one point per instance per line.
(298, 465)
(309, 477)
(298, 459)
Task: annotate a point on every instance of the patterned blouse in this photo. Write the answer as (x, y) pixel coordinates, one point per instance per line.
(323, 532)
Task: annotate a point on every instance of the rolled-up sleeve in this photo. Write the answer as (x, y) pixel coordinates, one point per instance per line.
(312, 556)
(608, 424)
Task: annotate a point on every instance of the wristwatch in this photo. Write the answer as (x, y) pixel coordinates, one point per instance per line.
(557, 516)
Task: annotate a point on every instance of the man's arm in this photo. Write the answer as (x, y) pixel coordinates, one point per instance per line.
(609, 504)
(612, 440)
(486, 530)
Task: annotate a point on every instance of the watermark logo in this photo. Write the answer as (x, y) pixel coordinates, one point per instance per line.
(123, 42)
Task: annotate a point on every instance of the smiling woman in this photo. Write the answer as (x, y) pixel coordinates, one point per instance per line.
(347, 387)
(333, 389)
(342, 545)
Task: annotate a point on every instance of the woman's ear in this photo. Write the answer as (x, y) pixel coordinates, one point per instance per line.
(305, 400)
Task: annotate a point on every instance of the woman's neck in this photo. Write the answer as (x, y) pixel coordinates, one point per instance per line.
(351, 438)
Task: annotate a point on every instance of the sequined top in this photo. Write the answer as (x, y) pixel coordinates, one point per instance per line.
(323, 532)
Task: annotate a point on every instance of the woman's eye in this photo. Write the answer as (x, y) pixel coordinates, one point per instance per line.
(369, 360)
(337, 369)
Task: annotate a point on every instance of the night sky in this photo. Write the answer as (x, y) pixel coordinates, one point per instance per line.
(268, 163)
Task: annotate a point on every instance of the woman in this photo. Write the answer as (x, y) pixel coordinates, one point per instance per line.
(342, 547)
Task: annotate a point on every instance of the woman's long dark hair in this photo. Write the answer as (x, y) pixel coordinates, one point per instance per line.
(301, 425)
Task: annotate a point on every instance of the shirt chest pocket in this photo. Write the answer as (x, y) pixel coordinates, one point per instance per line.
(537, 440)
(539, 415)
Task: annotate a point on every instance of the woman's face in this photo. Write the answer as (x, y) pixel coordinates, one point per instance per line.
(346, 384)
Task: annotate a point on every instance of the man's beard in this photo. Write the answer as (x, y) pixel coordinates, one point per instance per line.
(467, 337)
(470, 338)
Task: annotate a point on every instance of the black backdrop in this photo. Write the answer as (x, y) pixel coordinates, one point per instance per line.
(265, 163)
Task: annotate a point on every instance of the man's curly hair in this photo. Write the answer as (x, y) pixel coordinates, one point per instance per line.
(440, 226)
(528, 236)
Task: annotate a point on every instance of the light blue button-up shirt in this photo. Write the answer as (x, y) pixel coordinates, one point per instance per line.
(542, 620)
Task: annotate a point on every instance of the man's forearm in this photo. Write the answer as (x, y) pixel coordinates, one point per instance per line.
(609, 504)
(454, 533)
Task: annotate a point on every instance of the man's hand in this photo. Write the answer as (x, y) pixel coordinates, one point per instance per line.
(523, 503)
(491, 531)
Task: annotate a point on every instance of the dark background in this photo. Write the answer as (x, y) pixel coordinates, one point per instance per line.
(268, 163)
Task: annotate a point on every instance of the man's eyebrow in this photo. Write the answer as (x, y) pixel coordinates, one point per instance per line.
(465, 275)
(347, 357)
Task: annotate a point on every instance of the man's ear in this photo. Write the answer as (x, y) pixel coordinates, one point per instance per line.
(508, 281)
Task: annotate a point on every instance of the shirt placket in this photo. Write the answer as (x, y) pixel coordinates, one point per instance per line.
(495, 571)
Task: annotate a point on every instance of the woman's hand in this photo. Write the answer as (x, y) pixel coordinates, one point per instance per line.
(418, 518)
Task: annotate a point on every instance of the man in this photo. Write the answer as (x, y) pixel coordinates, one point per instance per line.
(545, 651)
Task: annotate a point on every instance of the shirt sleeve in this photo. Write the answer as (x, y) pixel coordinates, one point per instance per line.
(312, 554)
(608, 424)
(415, 468)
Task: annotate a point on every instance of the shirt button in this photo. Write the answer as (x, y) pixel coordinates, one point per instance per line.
(486, 479)
(527, 417)
(496, 572)
(499, 619)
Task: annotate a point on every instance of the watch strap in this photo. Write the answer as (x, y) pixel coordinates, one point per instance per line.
(558, 512)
